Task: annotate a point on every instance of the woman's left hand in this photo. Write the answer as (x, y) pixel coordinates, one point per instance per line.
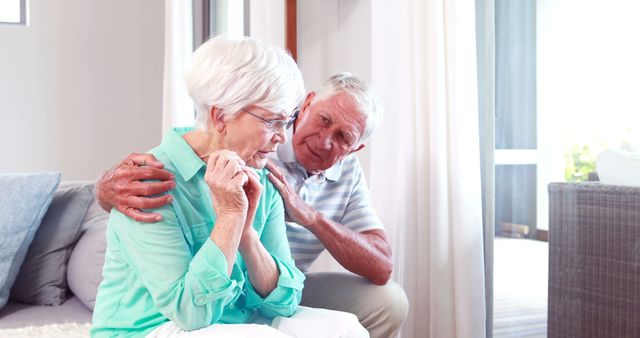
(253, 190)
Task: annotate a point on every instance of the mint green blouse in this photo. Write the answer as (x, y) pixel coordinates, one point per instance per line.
(173, 271)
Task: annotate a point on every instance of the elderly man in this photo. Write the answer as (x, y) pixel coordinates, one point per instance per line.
(326, 199)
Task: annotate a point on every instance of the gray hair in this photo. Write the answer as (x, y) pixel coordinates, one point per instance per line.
(363, 94)
(231, 74)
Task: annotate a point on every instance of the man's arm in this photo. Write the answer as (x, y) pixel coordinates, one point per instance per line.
(120, 187)
(366, 253)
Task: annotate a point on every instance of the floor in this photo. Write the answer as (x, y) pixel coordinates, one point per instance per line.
(520, 288)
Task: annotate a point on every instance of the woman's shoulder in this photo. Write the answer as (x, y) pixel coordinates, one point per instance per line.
(161, 155)
(267, 186)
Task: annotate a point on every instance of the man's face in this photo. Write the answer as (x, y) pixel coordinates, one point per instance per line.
(326, 131)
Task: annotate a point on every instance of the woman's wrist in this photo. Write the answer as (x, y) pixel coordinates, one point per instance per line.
(231, 212)
(249, 241)
(228, 227)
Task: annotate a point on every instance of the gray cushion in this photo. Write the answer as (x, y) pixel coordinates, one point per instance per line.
(85, 265)
(24, 201)
(95, 217)
(42, 277)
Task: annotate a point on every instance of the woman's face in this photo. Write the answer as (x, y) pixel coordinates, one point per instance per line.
(253, 138)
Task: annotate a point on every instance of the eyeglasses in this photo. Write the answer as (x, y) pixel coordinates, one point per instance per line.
(276, 125)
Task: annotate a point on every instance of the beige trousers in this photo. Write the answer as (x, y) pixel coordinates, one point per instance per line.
(380, 309)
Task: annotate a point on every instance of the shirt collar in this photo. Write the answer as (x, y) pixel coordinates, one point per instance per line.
(183, 157)
(334, 173)
(286, 155)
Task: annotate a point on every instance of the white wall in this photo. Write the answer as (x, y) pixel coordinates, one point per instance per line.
(267, 21)
(335, 36)
(81, 86)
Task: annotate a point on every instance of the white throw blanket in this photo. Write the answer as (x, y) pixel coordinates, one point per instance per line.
(67, 330)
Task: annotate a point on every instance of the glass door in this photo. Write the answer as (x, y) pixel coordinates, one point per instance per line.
(564, 82)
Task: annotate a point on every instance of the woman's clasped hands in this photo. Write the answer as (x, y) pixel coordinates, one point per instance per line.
(235, 189)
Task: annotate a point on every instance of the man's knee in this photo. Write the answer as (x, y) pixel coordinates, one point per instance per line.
(394, 302)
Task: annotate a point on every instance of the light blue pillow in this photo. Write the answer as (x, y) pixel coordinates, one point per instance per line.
(24, 199)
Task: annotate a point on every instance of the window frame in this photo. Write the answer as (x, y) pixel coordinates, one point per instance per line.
(23, 15)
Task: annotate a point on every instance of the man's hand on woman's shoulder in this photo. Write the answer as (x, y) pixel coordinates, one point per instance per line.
(121, 187)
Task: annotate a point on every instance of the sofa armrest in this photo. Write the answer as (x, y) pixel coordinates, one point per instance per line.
(594, 260)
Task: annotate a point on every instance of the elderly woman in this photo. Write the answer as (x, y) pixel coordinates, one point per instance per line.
(219, 262)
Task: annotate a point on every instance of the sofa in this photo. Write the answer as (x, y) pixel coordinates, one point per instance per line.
(594, 260)
(55, 290)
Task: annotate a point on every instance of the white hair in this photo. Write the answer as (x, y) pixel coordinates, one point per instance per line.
(231, 74)
(365, 97)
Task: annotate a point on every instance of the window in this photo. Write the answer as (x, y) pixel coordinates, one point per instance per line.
(561, 82)
(217, 17)
(13, 12)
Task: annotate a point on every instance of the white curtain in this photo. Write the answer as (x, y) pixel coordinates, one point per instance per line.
(425, 163)
(177, 107)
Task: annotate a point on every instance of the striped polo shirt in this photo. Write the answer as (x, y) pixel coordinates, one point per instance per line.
(340, 193)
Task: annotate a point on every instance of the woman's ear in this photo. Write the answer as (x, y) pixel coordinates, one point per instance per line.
(217, 119)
